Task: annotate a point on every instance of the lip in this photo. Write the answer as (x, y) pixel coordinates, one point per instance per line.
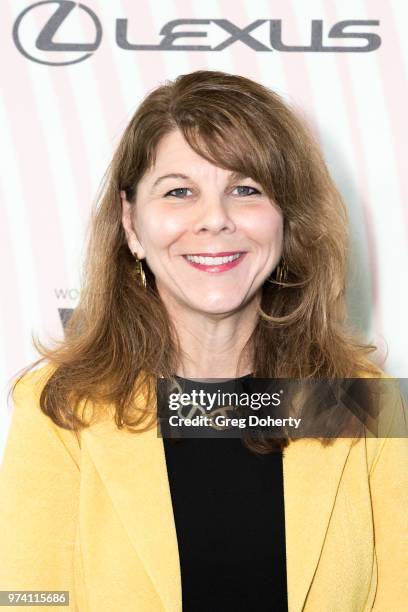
(220, 267)
(220, 254)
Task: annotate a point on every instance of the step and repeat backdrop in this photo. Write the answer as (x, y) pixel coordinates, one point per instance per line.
(73, 73)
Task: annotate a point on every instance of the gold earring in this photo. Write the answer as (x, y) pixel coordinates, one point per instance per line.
(140, 271)
(281, 272)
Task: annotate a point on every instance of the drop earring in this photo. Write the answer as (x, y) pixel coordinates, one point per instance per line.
(281, 273)
(140, 271)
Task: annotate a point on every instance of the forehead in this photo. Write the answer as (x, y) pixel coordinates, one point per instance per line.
(173, 148)
(175, 158)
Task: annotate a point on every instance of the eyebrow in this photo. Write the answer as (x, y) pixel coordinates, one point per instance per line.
(233, 176)
(167, 176)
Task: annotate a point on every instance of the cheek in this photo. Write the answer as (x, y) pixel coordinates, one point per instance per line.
(160, 230)
(266, 228)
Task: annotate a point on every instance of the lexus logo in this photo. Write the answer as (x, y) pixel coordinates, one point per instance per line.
(44, 43)
(176, 35)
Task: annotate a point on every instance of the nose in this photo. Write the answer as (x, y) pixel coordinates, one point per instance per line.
(213, 215)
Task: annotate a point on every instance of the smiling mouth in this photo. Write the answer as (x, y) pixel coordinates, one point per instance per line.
(215, 263)
(212, 259)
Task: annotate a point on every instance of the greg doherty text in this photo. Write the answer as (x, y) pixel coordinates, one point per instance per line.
(224, 421)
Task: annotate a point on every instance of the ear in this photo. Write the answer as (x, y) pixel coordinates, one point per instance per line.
(128, 214)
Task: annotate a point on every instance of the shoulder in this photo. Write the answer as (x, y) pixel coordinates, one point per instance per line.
(29, 424)
(32, 382)
(388, 427)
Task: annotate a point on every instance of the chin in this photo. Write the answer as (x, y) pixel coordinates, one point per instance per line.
(218, 307)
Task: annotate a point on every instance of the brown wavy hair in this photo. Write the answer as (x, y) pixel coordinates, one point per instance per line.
(120, 338)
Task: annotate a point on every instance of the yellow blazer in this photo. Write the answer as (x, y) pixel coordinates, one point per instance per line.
(92, 515)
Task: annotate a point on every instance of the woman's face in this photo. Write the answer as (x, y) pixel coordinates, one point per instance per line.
(186, 207)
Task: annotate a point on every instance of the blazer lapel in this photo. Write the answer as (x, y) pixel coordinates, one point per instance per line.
(312, 476)
(133, 470)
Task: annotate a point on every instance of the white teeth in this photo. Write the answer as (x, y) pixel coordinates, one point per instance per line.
(212, 261)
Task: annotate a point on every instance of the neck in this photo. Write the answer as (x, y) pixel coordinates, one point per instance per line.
(212, 344)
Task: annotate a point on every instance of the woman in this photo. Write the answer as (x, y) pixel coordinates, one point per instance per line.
(223, 198)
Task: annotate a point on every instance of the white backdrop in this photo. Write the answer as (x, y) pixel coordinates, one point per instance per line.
(67, 96)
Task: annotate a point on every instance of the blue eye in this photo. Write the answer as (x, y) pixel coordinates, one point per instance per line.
(254, 191)
(180, 192)
(172, 192)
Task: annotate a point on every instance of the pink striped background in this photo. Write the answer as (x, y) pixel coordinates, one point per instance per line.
(60, 125)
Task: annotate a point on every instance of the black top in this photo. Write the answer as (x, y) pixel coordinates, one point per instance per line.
(228, 509)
